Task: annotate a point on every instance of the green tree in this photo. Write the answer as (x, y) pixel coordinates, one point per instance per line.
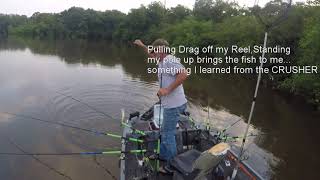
(189, 32)
(309, 50)
(215, 10)
(74, 21)
(3, 26)
(177, 14)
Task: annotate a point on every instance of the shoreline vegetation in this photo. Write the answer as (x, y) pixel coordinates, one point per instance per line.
(210, 22)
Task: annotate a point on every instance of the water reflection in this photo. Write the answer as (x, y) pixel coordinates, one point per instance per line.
(111, 77)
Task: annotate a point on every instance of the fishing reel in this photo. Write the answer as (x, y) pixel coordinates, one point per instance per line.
(221, 136)
(122, 156)
(133, 115)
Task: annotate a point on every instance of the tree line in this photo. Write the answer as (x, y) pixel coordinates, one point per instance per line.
(210, 22)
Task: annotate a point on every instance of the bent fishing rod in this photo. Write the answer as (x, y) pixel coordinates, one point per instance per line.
(267, 28)
(77, 128)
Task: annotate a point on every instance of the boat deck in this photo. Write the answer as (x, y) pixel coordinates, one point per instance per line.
(138, 166)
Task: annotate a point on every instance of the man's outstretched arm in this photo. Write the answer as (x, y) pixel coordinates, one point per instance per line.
(139, 43)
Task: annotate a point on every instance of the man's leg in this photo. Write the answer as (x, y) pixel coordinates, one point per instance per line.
(168, 147)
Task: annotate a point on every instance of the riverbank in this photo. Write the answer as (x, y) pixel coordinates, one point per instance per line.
(234, 26)
(59, 47)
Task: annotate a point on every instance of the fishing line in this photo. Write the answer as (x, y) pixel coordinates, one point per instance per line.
(222, 132)
(211, 126)
(86, 104)
(104, 168)
(38, 160)
(219, 132)
(101, 112)
(231, 125)
(65, 125)
(77, 128)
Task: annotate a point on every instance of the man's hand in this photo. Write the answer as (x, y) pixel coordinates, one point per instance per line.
(138, 42)
(163, 92)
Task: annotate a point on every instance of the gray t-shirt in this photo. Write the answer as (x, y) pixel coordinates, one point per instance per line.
(168, 68)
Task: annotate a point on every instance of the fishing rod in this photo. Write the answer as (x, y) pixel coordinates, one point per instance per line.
(159, 122)
(129, 126)
(267, 28)
(160, 103)
(78, 128)
(231, 125)
(218, 133)
(222, 132)
(207, 123)
(225, 138)
(133, 129)
(115, 152)
(234, 173)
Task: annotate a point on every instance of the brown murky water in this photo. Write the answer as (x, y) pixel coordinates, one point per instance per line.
(109, 78)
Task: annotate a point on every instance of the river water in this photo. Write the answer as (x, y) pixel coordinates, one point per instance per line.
(34, 73)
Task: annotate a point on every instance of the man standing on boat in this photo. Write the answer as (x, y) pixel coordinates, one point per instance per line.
(171, 75)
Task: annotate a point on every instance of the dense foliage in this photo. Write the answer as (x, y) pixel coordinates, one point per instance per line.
(214, 22)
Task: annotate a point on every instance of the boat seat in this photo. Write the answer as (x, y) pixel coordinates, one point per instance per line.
(196, 165)
(184, 161)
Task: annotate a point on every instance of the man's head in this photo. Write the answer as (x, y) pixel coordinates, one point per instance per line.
(160, 44)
